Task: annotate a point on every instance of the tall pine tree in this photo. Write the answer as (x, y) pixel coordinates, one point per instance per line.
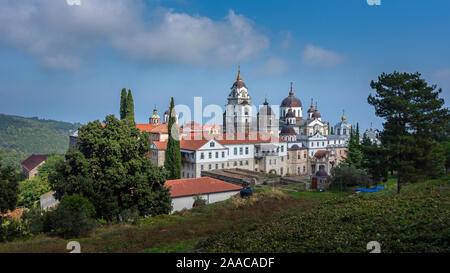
(354, 153)
(413, 114)
(123, 104)
(130, 107)
(172, 161)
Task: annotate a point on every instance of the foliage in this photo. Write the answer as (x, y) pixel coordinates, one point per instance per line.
(446, 148)
(123, 104)
(416, 221)
(199, 202)
(375, 160)
(9, 188)
(112, 170)
(354, 153)
(172, 162)
(10, 229)
(21, 137)
(130, 107)
(72, 217)
(414, 115)
(33, 221)
(345, 175)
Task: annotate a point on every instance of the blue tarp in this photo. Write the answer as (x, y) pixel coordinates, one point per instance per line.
(364, 190)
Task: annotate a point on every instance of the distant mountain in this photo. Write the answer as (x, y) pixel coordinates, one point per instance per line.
(21, 137)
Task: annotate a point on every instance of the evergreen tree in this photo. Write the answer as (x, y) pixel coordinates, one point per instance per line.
(354, 153)
(123, 104)
(130, 107)
(357, 136)
(414, 115)
(332, 131)
(374, 160)
(172, 161)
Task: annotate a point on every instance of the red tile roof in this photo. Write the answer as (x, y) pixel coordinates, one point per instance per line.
(160, 145)
(33, 161)
(201, 185)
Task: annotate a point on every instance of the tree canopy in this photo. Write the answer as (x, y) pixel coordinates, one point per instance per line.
(113, 171)
(9, 187)
(413, 116)
(172, 162)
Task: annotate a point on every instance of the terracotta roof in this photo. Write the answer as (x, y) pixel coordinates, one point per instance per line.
(201, 185)
(320, 153)
(15, 213)
(161, 145)
(33, 161)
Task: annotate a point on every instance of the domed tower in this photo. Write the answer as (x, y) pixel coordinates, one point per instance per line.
(293, 103)
(155, 119)
(267, 120)
(238, 112)
(316, 114)
(343, 128)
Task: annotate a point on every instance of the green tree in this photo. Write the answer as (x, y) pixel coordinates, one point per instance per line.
(72, 217)
(375, 160)
(414, 115)
(123, 104)
(172, 161)
(9, 187)
(130, 107)
(112, 170)
(354, 153)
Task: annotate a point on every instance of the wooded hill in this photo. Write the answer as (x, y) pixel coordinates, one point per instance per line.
(21, 137)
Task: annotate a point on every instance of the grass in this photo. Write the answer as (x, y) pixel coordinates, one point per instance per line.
(282, 221)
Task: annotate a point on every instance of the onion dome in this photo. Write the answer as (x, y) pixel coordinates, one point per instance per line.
(316, 113)
(291, 100)
(155, 113)
(321, 172)
(239, 83)
(288, 130)
(343, 117)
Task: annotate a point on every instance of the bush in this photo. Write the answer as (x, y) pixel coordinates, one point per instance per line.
(130, 215)
(199, 202)
(72, 217)
(344, 176)
(33, 221)
(10, 229)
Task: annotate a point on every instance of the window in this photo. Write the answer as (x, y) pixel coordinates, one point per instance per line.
(323, 143)
(212, 144)
(209, 166)
(201, 167)
(281, 171)
(246, 150)
(298, 170)
(235, 163)
(217, 166)
(275, 161)
(209, 155)
(246, 162)
(235, 151)
(217, 154)
(202, 156)
(282, 148)
(298, 156)
(345, 131)
(241, 151)
(304, 168)
(282, 159)
(223, 165)
(240, 163)
(270, 162)
(223, 154)
(312, 144)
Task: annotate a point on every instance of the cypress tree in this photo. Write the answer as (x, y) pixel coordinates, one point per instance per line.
(130, 107)
(172, 162)
(123, 104)
(357, 133)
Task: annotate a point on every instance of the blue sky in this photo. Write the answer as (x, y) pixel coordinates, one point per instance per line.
(69, 62)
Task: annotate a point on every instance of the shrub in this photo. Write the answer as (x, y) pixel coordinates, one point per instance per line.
(199, 202)
(344, 176)
(10, 229)
(130, 215)
(33, 221)
(72, 217)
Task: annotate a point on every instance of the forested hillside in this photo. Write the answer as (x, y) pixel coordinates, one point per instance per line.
(21, 137)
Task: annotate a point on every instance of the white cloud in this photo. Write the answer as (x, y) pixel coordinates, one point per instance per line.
(60, 34)
(274, 66)
(317, 56)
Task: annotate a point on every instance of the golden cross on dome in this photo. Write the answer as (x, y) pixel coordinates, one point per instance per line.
(239, 79)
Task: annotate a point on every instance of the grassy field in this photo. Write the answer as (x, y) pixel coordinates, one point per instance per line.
(283, 220)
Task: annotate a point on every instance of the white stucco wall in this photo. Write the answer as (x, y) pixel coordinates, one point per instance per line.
(186, 202)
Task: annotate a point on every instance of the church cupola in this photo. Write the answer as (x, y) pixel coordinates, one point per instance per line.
(311, 110)
(155, 119)
(316, 114)
(291, 103)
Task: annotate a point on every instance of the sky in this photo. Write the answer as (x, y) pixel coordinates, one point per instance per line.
(69, 59)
